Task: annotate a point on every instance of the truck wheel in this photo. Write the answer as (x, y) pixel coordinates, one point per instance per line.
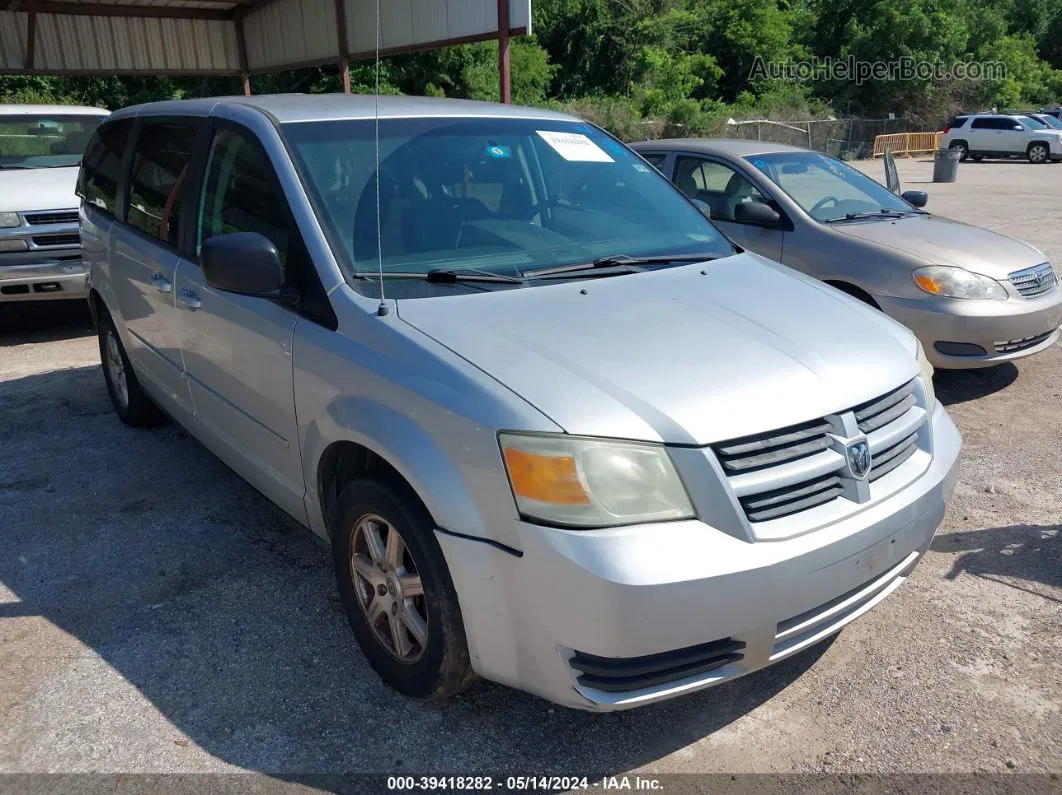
(130, 402)
(397, 591)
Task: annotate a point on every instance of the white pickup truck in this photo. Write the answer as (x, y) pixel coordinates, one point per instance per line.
(41, 147)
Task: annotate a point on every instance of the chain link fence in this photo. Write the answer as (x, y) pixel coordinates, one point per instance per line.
(847, 139)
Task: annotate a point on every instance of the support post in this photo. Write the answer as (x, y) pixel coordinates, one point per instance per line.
(241, 50)
(31, 39)
(504, 65)
(344, 48)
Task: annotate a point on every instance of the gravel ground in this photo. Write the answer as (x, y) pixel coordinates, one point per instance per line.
(158, 615)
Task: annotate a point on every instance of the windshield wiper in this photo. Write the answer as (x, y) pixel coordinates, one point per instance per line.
(884, 212)
(617, 261)
(445, 275)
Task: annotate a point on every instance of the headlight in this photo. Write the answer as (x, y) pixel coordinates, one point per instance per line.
(8, 220)
(927, 377)
(958, 283)
(581, 482)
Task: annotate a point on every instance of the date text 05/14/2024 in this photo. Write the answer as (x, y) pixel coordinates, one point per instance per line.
(521, 783)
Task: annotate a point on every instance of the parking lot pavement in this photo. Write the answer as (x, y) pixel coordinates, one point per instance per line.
(158, 615)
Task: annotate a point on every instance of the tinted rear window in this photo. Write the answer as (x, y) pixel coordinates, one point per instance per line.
(101, 170)
(958, 121)
(159, 176)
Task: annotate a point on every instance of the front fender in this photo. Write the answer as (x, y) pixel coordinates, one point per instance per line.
(425, 411)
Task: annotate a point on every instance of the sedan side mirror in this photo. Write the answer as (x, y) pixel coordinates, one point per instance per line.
(756, 213)
(246, 263)
(918, 198)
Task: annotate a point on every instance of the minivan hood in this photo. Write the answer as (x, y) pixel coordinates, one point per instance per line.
(941, 241)
(26, 189)
(674, 355)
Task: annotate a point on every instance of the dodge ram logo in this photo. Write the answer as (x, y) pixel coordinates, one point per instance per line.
(858, 455)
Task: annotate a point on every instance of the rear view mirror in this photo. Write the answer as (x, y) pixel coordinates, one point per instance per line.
(918, 198)
(756, 213)
(243, 262)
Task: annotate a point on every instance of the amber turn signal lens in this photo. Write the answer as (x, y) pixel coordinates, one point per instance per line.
(545, 478)
(927, 284)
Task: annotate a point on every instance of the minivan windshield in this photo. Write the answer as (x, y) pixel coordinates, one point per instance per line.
(827, 189)
(45, 140)
(495, 195)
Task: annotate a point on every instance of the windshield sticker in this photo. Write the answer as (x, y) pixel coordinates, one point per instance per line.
(499, 152)
(575, 147)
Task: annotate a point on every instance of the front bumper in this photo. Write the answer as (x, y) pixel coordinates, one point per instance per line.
(655, 591)
(48, 279)
(1003, 330)
(47, 263)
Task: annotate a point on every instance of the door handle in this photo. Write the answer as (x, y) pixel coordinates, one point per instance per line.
(189, 298)
(162, 284)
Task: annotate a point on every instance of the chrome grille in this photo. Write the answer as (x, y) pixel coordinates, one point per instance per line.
(1034, 281)
(801, 467)
(60, 217)
(879, 413)
(73, 239)
(753, 452)
(1013, 346)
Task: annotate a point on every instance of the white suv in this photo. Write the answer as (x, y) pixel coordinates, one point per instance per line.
(998, 135)
(41, 147)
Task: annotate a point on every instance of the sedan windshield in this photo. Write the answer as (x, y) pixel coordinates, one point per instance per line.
(1032, 123)
(500, 196)
(44, 141)
(1049, 121)
(827, 189)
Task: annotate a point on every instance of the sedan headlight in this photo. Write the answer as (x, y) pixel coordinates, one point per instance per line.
(927, 378)
(958, 283)
(8, 220)
(581, 482)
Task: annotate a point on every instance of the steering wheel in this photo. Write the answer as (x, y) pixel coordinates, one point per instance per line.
(821, 203)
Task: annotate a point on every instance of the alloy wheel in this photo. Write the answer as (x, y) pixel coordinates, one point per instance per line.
(1037, 153)
(388, 588)
(116, 369)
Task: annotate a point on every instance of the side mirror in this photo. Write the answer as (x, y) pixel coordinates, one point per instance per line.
(704, 207)
(919, 198)
(243, 262)
(756, 213)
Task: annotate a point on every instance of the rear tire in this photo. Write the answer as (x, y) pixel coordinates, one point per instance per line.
(963, 147)
(130, 402)
(1038, 153)
(397, 592)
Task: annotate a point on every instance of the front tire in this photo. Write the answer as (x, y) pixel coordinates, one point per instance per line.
(1038, 153)
(397, 591)
(130, 402)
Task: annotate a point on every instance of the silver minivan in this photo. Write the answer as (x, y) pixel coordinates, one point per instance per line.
(559, 432)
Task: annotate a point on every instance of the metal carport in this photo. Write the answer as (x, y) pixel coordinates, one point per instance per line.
(244, 37)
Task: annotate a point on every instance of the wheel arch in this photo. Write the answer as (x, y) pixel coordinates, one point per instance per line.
(854, 291)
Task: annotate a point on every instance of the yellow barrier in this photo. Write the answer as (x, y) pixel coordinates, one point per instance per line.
(907, 144)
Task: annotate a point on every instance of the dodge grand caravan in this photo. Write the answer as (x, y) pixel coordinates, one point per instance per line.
(559, 431)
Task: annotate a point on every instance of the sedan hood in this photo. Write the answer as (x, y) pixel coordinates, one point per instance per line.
(674, 355)
(941, 241)
(26, 189)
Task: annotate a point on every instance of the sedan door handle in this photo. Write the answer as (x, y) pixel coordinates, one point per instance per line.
(162, 284)
(189, 298)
